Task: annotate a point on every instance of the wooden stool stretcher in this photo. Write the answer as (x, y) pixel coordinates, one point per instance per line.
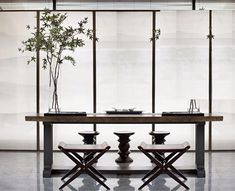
(164, 164)
(84, 164)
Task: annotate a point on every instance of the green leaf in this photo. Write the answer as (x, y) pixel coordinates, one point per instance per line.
(69, 58)
(55, 38)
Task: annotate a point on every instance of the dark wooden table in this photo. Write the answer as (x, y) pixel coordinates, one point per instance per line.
(92, 118)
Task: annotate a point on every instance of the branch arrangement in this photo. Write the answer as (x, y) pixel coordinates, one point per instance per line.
(56, 40)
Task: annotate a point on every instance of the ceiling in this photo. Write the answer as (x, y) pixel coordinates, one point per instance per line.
(118, 4)
(95, 1)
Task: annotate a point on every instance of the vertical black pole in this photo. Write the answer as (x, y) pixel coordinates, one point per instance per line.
(153, 64)
(210, 77)
(54, 5)
(38, 85)
(94, 64)
(193, 4)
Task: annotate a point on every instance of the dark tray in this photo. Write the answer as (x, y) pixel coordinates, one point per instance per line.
(182, 113)
(123, 112)
(66, 113)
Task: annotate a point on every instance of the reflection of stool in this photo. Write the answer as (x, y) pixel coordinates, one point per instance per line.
(88, 184)
(164, 165)
(89, 137)
(123, 185)
(159, 138)
(124, 146)
(82, 164)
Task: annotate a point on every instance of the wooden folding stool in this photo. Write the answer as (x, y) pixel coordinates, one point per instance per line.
(164, 164)
(83, 165)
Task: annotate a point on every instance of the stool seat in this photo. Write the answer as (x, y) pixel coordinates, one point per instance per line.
(164, 164)
(83, 148)
(128, 133)
(88, 133)
(83, 165)
(159, 133)
(124, 146)
(165, 148)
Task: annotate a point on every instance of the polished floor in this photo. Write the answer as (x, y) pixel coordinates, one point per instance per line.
(22, 171)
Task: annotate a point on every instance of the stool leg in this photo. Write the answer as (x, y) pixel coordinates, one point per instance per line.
(176, 178)
(124, 149)
(72, 178)
(70, 172)
(90, 140)
(88, 171)
(177, 172)
(97, 172)
(151, 178)
(150, 172)
(85, 166)
(159, 139)
(163, 166)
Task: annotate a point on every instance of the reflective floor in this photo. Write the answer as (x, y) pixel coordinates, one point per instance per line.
(22, 171)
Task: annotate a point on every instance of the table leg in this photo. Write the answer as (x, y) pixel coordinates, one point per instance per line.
(200, 149)
(48, 149)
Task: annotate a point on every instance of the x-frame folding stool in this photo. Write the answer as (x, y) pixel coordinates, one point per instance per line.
(84, 164)
(163, 164)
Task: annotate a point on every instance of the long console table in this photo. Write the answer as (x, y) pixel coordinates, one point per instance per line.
(152, 118)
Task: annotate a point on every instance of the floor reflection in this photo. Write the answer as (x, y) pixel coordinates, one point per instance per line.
(87, 184)
(200, 185)
(158, 184)
(38, 170)
(23, 172)
(48, 184)
(209, 172)
(124, 184)
(127, 183)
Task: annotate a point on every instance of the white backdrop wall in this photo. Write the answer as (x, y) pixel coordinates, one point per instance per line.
(124, 69)
(181, 67)
(123, 75)
(223, 78)
(17, 83)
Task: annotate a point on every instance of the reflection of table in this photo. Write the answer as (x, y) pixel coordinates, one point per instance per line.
(199, 122)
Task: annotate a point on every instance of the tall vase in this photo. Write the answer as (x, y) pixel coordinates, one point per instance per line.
(54, 96)
(54, 76)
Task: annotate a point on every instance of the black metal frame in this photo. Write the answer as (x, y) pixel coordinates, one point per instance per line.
(94, 64)
(193, 4)
(153, 65)
(38, 85)
(210, 37)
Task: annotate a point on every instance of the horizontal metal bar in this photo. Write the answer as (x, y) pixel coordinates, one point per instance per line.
(77, 10)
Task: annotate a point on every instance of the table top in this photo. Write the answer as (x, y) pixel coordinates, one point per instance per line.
(102, 118)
